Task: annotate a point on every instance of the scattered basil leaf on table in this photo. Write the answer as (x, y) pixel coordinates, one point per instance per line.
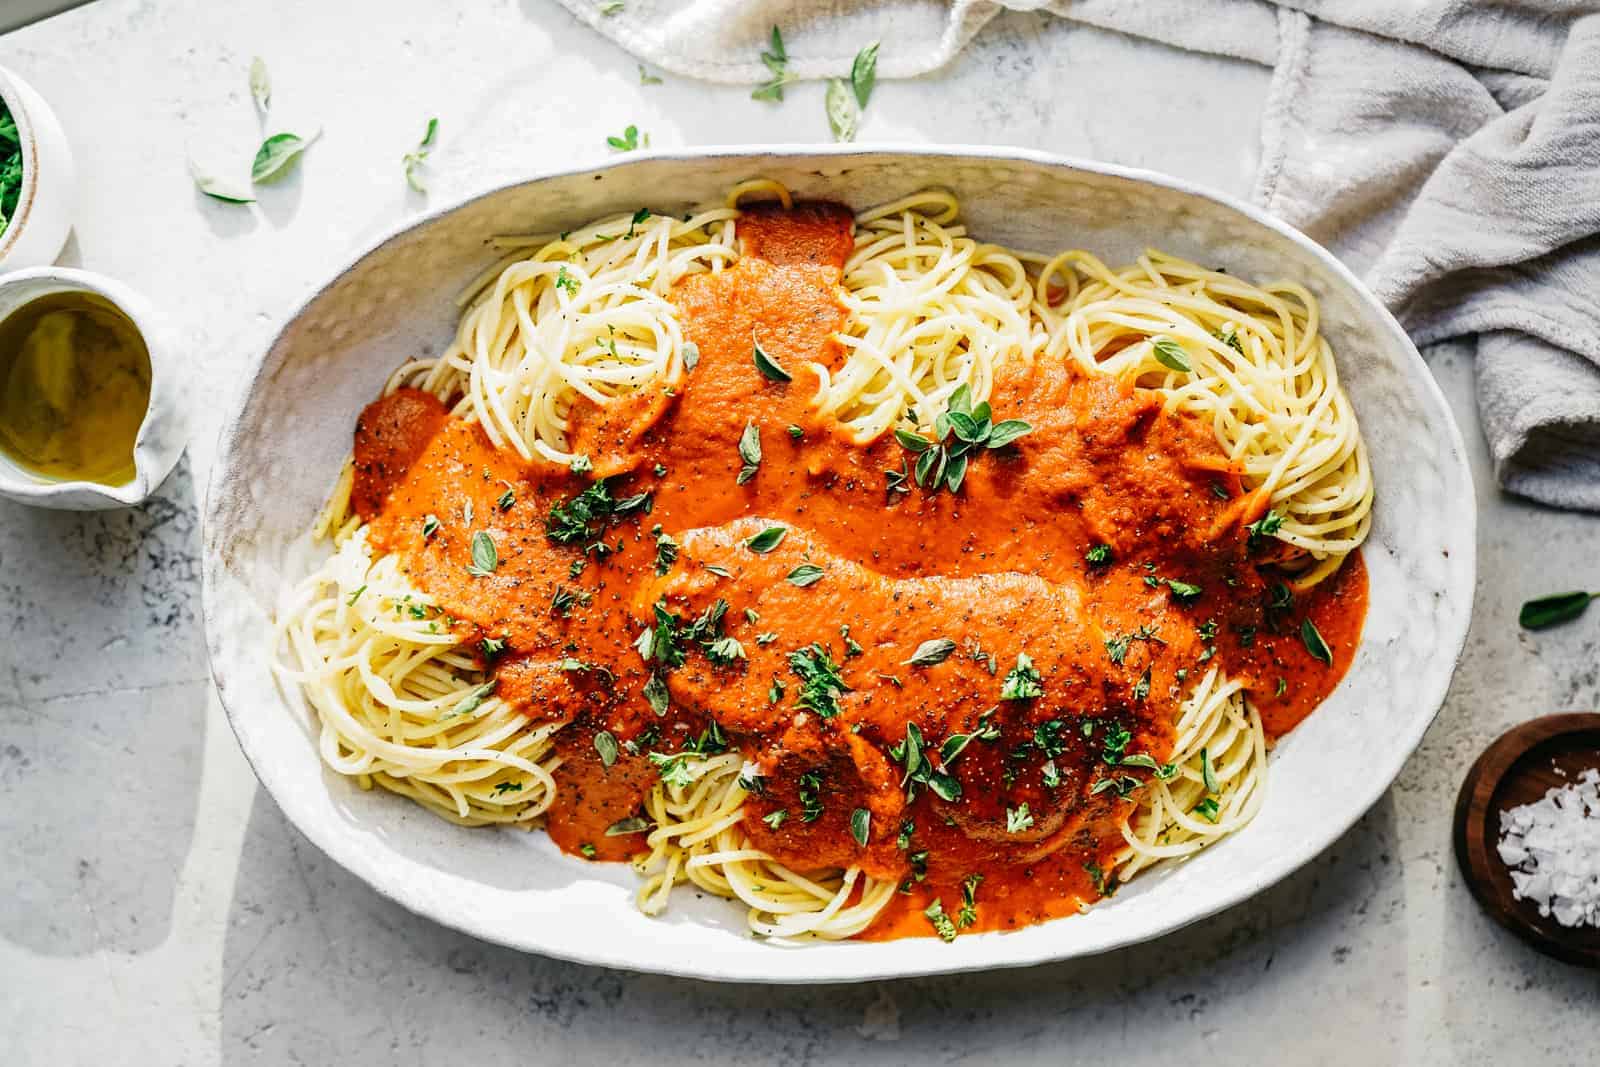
(864, 73)
(260, 83)
(1554, 609)
(276, 155)
(419, 155)
(219, 188)
(843, 115)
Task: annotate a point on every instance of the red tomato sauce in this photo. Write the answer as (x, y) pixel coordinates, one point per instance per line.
(999, 569)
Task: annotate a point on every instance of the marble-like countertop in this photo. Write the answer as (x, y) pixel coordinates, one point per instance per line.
(154, 905)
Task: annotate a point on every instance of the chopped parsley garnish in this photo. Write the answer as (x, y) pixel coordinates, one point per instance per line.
(1266, 526)
(633, 824)
(1311, 637)
(1170, 354)
(809, 790)
(655, 693)
(749, 452)
(1098, 556)
(1206, 630)
(1124, 784)
(969, 900)
(666, 552)
(1282, 688)
(775, 691)
(1018, 819)
(775, 819)
(769, 367)
(930, 652)
(485, 557)
(902, 841)
(502, 788)
(606, 745)
(674, 769)
(1141, 688)
(1023, 681)
(588, 850)
(1115, 743)
(568, 284)
(638, 217)
(941, 922)
(724, 651)
(1183, 591)
(430, 526)
(1103, 884)
(507, 499)
(1207, 809)
(355, 596)
(662, 642)
(1230, 337)
(861, 826)
(582, 520)
(1207, 775)
(1047, 738)
(820, 681)
(1164, 771)
(562, 601)
(796, 432)
(961, 432)
(1050, 775)
(493, 646)
(767, 539)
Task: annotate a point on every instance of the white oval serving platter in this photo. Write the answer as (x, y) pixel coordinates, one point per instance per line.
(394, 299)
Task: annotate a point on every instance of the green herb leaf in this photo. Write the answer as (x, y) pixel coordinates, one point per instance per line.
(749, 452)
(276, 155)
(1103, 885)
(767, 539)
(1018, 819)
(821, 682)
(1170, 354)
(612, 7)
(355, 596)
(628, 142)
(912, 442)
(1098, 556)
(1008, 431)
(1207, 809)
(796, 432)
(1551, 610)
(804, 575)
(775, 819)
(493, 646)
(588, 850)
(418, 155)
(1312, 639)
(843, 115)
(1207, 774)
(969, 900)
(864, 73)
(430, 526)
(655, 693)
(777, 61)
(1023, 681)
(931, 652)
(502, 788)
(809, 790)
(674, 769)
(473, 700)
(720, 572)
(606, 745)
(1266, 526)
(941, 922)
(1141, 688)
(216, 188)
(1183, 591)
(691, 355)
(769, 366)
(861, 825)
(633, 824)
(485, 557)
(260, 83)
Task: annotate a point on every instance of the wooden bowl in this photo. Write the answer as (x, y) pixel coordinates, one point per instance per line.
(1517, 769)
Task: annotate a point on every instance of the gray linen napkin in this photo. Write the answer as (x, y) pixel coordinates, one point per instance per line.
(1449, 150)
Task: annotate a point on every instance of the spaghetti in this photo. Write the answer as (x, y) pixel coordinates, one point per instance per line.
(474, 641)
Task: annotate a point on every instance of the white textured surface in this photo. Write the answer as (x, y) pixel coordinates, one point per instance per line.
(172, 917)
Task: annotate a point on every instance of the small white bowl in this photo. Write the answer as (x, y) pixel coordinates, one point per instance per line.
(161, 434)
(39, 226)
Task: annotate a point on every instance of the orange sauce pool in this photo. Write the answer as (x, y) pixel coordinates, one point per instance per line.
(999, 568)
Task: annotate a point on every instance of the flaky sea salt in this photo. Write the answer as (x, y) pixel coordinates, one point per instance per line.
(1552, 847)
